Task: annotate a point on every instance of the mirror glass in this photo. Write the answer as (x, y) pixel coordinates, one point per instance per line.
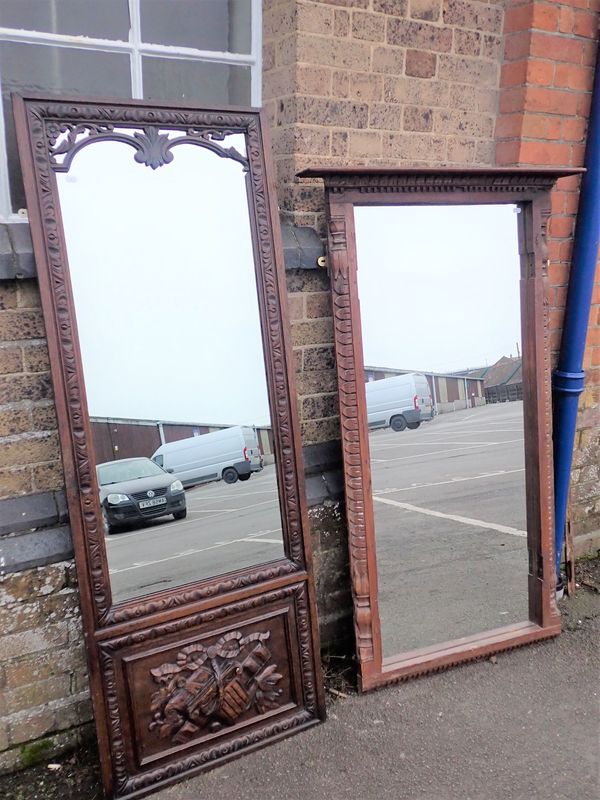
(165, 295)
(440, 312)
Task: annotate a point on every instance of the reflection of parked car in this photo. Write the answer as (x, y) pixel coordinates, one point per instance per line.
(136, 489)
(228, 454)
(399, 402)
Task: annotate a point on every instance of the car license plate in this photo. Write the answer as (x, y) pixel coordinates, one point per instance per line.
(157, 501)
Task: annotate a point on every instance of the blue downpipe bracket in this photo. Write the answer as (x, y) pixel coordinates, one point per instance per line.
(568, 379)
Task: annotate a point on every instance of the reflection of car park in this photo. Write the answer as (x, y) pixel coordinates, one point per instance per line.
(136, 489)
(399, 402)
(228, 454)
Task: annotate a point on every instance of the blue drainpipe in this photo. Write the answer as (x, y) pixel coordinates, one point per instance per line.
(568, 379)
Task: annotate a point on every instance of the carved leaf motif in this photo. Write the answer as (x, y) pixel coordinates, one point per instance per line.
(153, 148)
(210, 687)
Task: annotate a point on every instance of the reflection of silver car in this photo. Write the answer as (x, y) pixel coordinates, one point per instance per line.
(136, 489)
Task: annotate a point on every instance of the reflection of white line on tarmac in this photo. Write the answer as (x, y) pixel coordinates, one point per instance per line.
(229, 496)
(479, 430)
(262, 533)
(209, 510)
(439, 452)
(478, 523)
(161, 528)
(187, 553)
(260, 541)
(421, 444)
(452, 480)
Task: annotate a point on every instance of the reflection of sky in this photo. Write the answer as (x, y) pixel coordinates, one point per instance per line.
(438, 286)
(163, 277)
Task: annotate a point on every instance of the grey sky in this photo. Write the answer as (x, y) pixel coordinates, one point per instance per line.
(438, 286)
(163, 278)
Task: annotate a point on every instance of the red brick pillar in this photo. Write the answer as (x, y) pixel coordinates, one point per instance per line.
(545, 91)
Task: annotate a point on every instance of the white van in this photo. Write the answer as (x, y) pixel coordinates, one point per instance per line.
(399, 402)
(229, 454)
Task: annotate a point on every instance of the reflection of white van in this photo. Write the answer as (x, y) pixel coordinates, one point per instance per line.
(227, 454)
(399, 402)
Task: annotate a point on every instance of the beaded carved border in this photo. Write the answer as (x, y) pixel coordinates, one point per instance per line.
(457, 183)
(351, 444)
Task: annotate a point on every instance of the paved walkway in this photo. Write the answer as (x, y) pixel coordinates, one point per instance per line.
(525, 727)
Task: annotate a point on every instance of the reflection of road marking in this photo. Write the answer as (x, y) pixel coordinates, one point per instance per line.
(188, 553)
(439, 452)
(452, 480)
(158, 529)
(228, 496)
(426, 444)
(262, 533)
(260, 541)
(478, 523)
(479, 430)
(209, 510)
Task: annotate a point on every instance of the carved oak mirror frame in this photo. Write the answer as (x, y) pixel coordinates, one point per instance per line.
(276, 599)
(346, 188)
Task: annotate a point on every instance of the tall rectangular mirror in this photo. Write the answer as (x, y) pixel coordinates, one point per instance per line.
(161, 277)
(440, 320)
(170, 338)
(438, 281)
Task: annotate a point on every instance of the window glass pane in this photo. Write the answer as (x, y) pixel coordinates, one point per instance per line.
(197, 81)
(27, 67)
(101, 19)
(222, 25)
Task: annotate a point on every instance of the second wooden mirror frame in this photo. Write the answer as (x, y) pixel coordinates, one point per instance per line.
(530, 190)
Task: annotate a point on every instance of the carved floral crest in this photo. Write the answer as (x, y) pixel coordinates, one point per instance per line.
(208, 688)
(153, 146)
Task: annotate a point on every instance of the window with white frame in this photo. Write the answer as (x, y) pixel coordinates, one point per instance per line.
(205, 52)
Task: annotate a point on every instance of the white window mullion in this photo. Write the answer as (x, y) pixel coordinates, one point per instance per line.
(63, 40)
(256, 52)
(5, 204)
(135, 40)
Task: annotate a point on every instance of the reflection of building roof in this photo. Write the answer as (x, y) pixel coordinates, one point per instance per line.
(396, 371)
(131, 421)
(505, 371)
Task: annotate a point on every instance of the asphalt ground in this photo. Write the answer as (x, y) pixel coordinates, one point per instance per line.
(228, 527)
(449, 506)
(523, 725)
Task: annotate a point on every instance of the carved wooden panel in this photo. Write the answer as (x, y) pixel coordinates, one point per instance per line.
(208, 685)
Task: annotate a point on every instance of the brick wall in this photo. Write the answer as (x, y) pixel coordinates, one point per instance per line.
(44, 698)
(379, 82)
(365, 82)
(43, 680)
(30, 455)
(546, 84)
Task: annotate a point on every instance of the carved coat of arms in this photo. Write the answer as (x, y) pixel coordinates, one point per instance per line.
(210, 687)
